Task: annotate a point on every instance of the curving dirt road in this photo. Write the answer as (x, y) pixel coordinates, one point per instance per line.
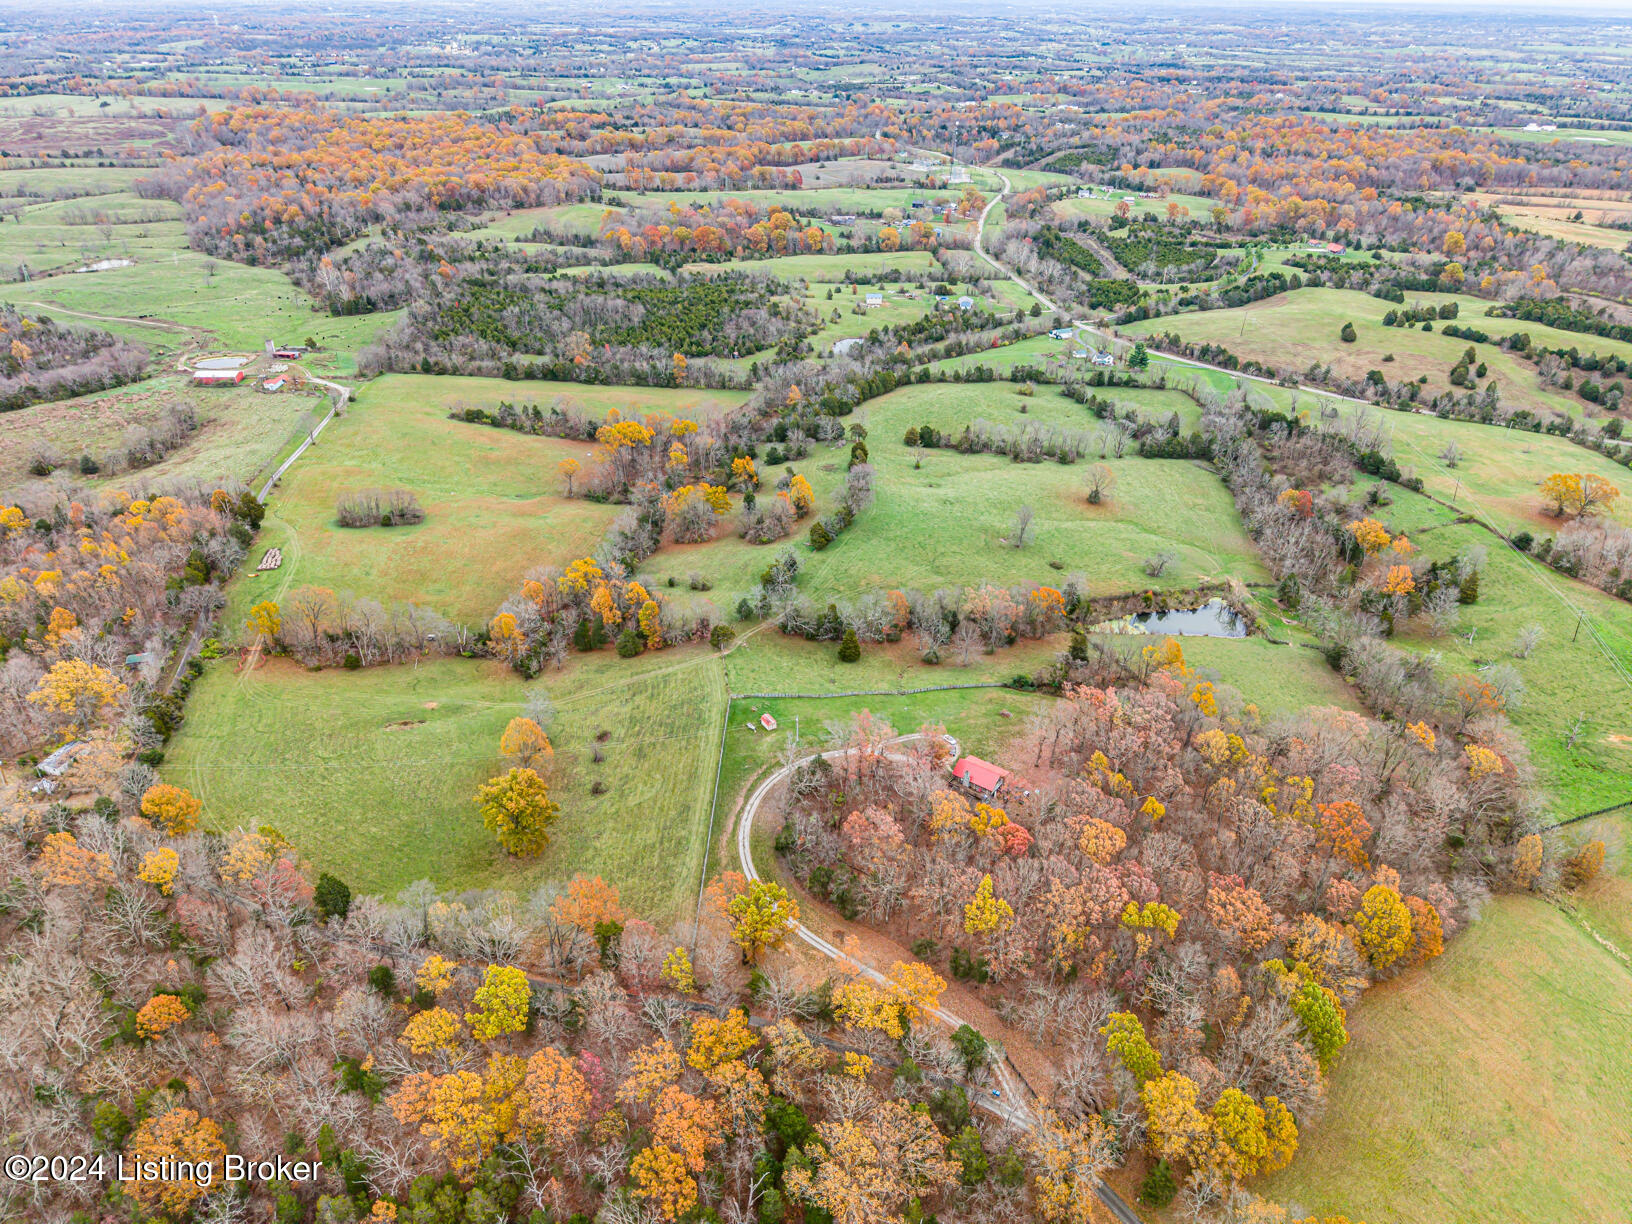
(1011, 1106)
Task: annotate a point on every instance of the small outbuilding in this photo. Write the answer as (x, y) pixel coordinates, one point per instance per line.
(766, 721)
(217, 378)
(55, 765)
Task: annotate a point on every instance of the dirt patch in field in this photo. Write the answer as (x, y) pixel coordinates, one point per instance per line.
(405, 724)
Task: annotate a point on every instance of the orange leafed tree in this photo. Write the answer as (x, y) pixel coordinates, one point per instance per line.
(177, 1136)
(525, 744)
(588, 902)
(172, 808)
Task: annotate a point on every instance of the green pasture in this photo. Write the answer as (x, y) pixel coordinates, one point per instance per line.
(235, 306)
(494, 502)
(346, 763)
(1299, 329)
(1489, 1085)
(241, 435)
(827, 268)
(1570, 676)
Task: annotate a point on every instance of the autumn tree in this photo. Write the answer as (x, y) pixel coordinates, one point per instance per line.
(865, 1168)
(464, 1114)
(188, 1143)
(1125, 1037)
(1068, 1160)
(559, 1098)
(1371, 535)
(500, 1003)
(518, 810)
(985, 913)
(78, 692)
(719, 1041)
(1178, 1130)
(159, 1015)
(525, 745)
(265, 622)
(1579, 493)
(590, 904)
(1382, 926)
(762, 918)
(172, 808)
(159, 869)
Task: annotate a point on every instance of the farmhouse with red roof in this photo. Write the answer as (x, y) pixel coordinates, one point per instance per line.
(982, 777)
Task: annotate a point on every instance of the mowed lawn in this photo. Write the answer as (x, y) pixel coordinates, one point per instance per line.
(1491, 1085)
(1294, 330)
(493, 500)
(372, 773)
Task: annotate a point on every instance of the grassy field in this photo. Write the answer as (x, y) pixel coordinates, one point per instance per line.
(492, 497)
(348, 763)
(1564, 678)
(1155, 505)
(1103, 205)
(242, 430)
(1606, 903)
(826, 268)
(942, 524)
(1554, 217)
(1491, 1085)
(1498, 470)
(231, 305)
(902, 304)
(1295, 330)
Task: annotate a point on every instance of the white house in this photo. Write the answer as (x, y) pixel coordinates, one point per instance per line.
(966, 303)
(1060, 333)
(874, 299)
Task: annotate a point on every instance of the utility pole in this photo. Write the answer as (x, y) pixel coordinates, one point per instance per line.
(1579, 617)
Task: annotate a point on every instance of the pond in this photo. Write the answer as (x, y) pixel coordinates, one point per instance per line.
(222, 363)
(103, 265)
(1215, 618)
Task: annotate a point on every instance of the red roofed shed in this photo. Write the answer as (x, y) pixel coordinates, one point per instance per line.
(982, 777)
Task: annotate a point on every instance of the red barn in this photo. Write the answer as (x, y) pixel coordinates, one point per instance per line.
(217, 378)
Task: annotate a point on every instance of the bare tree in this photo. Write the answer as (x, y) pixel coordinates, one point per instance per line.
(1101, 480)
(1021, 532)
(1529, 638)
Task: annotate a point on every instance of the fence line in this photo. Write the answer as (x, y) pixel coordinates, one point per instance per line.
(1614, 807)
(932, 688)
(713, 811)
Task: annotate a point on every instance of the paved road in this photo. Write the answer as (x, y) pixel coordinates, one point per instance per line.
(1012, 1105)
